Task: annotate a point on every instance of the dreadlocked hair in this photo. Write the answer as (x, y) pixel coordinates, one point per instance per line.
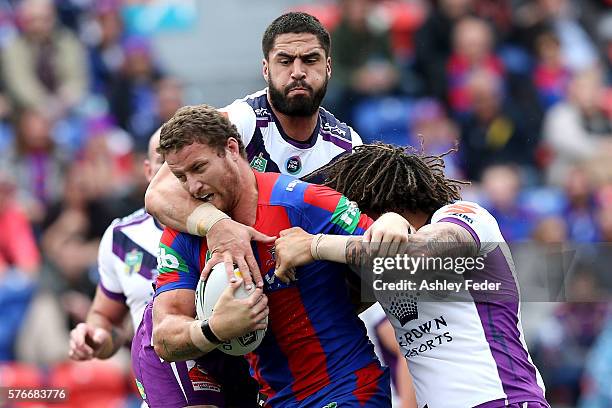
(381, 177)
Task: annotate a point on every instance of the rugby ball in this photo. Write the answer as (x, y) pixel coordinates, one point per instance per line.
(207, 294)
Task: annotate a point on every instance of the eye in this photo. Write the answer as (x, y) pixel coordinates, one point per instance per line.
(312, 60)
(284, 61)
(182, 179)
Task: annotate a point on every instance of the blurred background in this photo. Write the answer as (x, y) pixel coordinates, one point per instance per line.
(521, 87)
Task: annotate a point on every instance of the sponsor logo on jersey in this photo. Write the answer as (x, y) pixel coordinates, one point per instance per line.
(461, 208)
(334, 129)
(346, 215)
(133, 261)
(293, 165)
(330, 405)
(169, 260)
(200, 379)
(292, 185)
(404, 307)
(259, 163)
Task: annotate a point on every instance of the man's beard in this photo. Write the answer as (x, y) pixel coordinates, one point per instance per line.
(299, 105)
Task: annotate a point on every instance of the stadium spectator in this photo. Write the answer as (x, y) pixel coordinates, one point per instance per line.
(132, 94)
(577, 48)
(579, 130)
(597, 379)
(550, 76)
(19, 266)
(44, 68)
(72, 233)
(37, 164)
(472, 50)
(501, 186)
(433, 44)
(363, 64)
(493, 132)
(580, 208)
(564, 338)
(436, 132)
(106, 55)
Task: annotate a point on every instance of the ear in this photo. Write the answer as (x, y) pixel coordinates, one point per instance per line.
(148, 170)
(328, 67)
(233, 147)
(265, 69)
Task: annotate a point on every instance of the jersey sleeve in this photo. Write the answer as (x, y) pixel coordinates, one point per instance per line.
(107, 267)
(355, 138)
(242, 116)
(178, 261)
(326, 211)
(481, 225)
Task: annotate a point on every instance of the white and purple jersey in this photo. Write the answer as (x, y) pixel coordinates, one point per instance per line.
(270, 149)
(127, 261)
(469, 353)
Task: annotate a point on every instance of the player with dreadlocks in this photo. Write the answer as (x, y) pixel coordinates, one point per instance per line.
(465, 352)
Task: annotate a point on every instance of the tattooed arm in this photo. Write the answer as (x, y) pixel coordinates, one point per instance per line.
(295, 247)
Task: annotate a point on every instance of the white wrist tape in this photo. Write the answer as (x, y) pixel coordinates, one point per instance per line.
(202, 219)
(329, 247)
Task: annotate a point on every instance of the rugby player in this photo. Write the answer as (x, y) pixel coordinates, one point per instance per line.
(284, 129)
(316, 351)
(468, 353)
(127, 265)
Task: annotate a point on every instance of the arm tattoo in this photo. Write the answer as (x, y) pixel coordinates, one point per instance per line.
(187, 352)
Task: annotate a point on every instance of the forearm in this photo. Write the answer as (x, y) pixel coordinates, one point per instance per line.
(439, 240)
(175, 338)
(116, 336)
(173, 206)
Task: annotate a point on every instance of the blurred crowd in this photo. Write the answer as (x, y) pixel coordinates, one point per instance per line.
(519, 91)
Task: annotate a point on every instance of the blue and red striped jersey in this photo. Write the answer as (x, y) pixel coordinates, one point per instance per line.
(314, 337)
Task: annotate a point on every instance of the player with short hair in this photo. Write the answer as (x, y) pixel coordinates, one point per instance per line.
(463, 353)
(127, 264)
(316, 351)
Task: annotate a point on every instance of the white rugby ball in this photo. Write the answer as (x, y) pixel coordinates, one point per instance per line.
(206, 296)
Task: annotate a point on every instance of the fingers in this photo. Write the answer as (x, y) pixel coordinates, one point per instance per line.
(258, 236)
(260, 318)
(244, 272)
(79, 349)
(256, 297)
(254, 268)
(229, 265)
(214, 259)
(259, 306)
(367, 237)
(290, 231)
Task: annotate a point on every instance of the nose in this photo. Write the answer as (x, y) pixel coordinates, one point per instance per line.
(193, 185)
(298, 71)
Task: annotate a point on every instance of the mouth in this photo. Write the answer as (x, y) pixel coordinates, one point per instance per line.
(299, 90)
(207, 197)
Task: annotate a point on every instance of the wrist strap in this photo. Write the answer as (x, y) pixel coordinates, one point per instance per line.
(202, 219)
(331, 247)
(208, 333)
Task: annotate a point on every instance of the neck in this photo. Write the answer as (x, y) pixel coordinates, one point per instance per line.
(416, 219)
(245, 208)
(298, 128)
